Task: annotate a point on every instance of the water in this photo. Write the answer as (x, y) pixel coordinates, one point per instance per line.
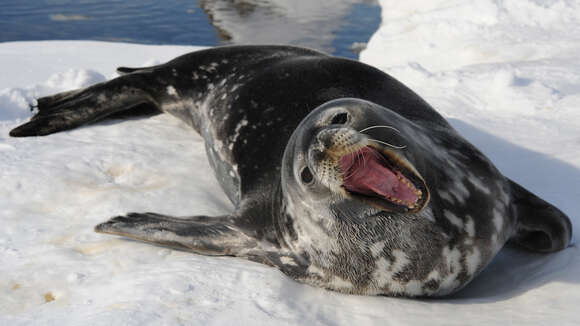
(359, 26)
(191, 22)
(136, 21)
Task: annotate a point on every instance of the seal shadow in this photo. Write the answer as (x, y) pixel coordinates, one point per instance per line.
(515, 271)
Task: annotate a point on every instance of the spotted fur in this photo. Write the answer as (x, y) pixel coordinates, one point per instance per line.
(268, 112)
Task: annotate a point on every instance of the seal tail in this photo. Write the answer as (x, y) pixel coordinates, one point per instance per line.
(128, 70)
(68, 110)
(540, 226)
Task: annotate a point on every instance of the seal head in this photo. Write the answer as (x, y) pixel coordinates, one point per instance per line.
(329, 156)
(352, 177)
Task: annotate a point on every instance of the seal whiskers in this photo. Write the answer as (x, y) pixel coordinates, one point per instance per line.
(387, 144)
(374, 127)
(355, 156)
(382, 142)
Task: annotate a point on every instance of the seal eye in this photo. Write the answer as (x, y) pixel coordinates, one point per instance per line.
(306, 175)
(340, 119)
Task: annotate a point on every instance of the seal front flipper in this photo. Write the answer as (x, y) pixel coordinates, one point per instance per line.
(200, 234)
(207, 235)
(72, 109)
(540, 226)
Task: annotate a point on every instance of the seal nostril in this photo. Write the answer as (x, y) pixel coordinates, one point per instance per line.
(340, 119)
(306, 175)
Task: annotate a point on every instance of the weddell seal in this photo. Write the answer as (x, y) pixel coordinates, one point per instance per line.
(341, 176)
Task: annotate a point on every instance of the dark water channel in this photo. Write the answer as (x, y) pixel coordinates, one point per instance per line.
(334, 26)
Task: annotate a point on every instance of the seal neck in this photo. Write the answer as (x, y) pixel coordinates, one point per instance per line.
(281, 221)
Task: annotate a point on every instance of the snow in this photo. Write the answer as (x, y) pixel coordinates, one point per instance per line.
(505, 73)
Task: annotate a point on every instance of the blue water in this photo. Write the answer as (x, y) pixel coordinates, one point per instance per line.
(359, 26)
(180, 22)
(137, 21)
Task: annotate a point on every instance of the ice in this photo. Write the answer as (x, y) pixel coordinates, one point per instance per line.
(309, 23)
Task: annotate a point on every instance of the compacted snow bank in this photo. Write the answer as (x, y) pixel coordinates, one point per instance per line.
(504, 73)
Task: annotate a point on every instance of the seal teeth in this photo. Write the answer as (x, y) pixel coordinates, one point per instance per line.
(416, 191)
(403, 196)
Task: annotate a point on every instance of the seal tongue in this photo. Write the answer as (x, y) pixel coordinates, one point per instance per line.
(365, 172)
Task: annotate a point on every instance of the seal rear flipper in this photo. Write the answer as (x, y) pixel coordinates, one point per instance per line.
(200, 234)
(540, 226)
(68, 110)
(128, 70)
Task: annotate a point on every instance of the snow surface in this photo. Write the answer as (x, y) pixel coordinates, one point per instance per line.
(505, 73)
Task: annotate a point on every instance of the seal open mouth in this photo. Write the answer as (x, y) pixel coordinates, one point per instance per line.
(383, 180)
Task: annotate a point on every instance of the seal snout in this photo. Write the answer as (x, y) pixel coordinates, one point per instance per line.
(325, 151)
(336, 142)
